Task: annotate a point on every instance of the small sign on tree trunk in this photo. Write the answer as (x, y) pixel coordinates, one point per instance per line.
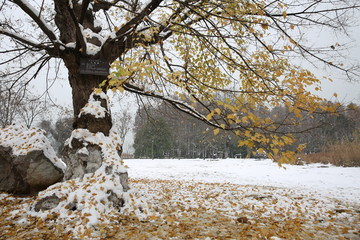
(94, 66)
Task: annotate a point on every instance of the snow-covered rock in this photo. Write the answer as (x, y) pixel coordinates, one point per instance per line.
(28, 164)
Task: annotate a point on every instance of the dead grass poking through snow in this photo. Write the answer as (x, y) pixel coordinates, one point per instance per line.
(341, 154)
(191, 210)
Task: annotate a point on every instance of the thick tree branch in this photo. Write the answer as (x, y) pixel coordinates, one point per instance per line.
(150, 7)
(177, 104)
(28, 9)
(80, 41)
(114, 47)
(84, 8)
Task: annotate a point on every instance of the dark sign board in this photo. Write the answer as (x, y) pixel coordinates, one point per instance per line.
(94, 67)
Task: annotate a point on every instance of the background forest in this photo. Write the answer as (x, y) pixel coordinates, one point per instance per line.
(162, 132)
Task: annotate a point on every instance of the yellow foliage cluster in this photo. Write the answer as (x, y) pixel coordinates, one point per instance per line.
(223, 59)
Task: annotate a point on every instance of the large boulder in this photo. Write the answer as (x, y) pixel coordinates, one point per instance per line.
(28, 163)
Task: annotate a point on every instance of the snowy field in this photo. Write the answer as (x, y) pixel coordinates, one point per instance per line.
(202, 199)
(250, 198)
(324, 180)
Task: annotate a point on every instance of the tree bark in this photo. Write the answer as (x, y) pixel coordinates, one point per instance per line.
(89, 160)
(82, 87)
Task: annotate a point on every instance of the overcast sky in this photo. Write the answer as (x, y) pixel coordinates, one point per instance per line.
(347, 91)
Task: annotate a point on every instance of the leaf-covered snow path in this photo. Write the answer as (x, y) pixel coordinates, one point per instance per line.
(197, 210)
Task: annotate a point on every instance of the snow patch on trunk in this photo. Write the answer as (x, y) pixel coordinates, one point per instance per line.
(93, 107)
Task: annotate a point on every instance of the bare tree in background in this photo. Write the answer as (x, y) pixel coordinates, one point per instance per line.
(31, 110)
(10, 104)
(18, 105)
(123, 123)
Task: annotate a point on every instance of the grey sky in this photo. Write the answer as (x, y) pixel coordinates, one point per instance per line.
(346, 91)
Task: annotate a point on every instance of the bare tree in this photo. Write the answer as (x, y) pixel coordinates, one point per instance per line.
(10, 104)
(31, 109)
(123, 122)
(18, 105)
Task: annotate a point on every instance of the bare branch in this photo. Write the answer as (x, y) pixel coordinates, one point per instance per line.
(28, 9)
(150, 7)
(37, 46)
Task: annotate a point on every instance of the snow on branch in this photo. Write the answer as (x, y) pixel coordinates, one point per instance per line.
(21, 38)
(79, 34)
(35, 15)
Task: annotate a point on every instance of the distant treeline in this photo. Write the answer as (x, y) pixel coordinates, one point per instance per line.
(163, 132)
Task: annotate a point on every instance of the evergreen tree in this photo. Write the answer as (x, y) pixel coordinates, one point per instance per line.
(153, 139)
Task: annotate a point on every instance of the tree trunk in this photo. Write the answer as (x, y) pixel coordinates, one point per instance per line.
(81, 155)
(82, 87)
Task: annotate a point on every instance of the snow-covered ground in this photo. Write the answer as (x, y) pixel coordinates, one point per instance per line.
(199, 199)
(324, 180)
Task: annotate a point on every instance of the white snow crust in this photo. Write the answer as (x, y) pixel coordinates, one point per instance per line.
(23, 140)
(71, 45)
(109, 145)
(90, 194)
(327, 181)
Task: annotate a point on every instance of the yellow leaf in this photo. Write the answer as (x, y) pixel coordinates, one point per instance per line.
(264, 26)
(216, 131)
(217, 110)
(103, 83)
(293, 41)
(120, 88)
(98, 90)
(330, 109)
(275, 151)
(301, 147)
(278, 73)
(209, 116)
(231, 116)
